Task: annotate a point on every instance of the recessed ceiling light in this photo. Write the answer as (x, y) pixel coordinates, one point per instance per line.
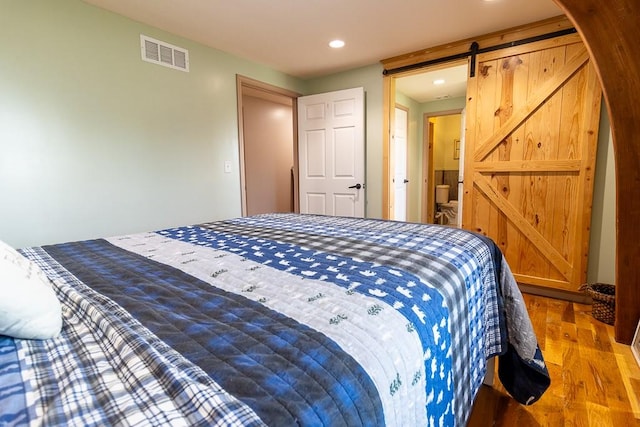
(336, 44)
(438, 82)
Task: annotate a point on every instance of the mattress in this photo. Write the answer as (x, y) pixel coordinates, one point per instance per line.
(278, 319)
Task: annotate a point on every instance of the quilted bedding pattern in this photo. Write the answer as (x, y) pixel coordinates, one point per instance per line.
(283, 319)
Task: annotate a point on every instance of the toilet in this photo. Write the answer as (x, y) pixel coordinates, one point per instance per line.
(450, 211)
(447, 209)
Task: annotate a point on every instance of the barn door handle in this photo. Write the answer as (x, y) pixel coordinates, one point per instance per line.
(406, 181)
(357, 186)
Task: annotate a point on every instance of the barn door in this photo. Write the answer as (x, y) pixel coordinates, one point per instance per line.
(532, 126)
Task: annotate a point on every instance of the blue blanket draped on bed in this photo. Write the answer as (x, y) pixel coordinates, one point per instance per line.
(249, 350)
(272, 308)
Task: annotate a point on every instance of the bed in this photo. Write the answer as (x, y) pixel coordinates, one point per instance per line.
(278, 319)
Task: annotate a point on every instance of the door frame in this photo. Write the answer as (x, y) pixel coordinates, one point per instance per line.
(243, 85)
(428, 173)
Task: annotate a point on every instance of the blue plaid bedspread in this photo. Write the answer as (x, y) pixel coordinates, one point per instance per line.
(280, 319)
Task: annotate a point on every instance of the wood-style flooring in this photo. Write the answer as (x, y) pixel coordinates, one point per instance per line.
(595, 381)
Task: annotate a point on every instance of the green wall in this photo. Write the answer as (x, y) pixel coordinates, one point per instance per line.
(602, 246)
(97, 142)
(446, 130)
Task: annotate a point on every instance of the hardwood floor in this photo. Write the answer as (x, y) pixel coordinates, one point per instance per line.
(594, 380)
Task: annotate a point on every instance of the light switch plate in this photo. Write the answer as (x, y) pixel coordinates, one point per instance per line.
(227, 166)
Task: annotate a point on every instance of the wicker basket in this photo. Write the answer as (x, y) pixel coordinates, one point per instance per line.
(604, 301)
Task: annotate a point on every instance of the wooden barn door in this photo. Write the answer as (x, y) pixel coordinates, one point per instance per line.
(532, 126)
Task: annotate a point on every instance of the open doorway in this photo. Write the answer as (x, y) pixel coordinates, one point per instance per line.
(434, 99)
(268, 147)
(443, 167)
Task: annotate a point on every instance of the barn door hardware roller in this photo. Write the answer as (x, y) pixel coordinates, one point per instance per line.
(475, 50)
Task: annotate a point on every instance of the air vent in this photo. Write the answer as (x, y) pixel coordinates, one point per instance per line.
(163, 53)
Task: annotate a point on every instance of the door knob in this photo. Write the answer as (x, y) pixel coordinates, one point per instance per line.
(357, 186)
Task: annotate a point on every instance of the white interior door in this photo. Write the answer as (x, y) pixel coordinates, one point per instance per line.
(331, 153)
(400, 165)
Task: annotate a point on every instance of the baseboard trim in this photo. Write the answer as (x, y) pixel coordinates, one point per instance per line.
(578, 297)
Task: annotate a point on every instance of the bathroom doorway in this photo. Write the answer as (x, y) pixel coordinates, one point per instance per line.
(444, 166)
(435, 140)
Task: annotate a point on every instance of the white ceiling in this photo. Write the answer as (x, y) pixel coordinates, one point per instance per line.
(292, 35)
(421, 86)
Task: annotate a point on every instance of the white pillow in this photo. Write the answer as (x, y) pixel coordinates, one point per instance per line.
(29, 307)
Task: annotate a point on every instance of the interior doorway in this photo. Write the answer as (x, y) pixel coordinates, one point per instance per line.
(434, 140)
(267, 130)
(443, 173)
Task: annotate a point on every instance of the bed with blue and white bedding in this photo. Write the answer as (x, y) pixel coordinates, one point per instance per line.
(277, 319)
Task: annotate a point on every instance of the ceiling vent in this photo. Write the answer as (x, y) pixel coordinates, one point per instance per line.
(163, 53)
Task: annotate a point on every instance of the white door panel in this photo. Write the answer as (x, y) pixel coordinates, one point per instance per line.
(331, 153)
(315, 111)
(315, 203)
(400, 165)
(316, 150)
(345, 152)
(344, 205)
